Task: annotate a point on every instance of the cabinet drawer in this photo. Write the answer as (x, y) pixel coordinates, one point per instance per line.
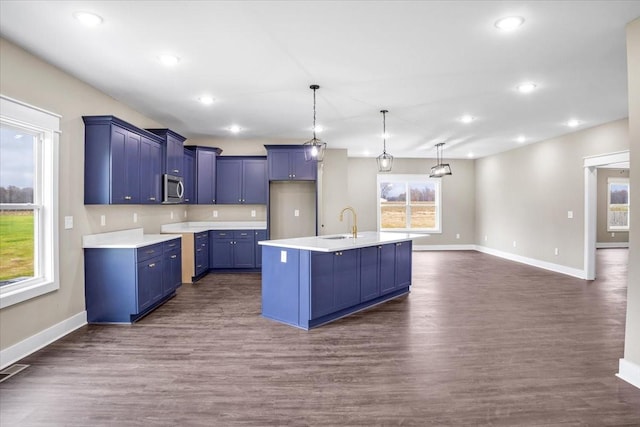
(243, 235)
(199, 236)
(227, 234)
(146, 252)
(172, 245)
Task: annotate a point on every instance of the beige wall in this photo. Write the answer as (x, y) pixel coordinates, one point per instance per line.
(457, 203)
(632, 335)
(603, 235)
(526, 195)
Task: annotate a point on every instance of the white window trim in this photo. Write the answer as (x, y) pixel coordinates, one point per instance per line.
(616, 180)
(405, 178)
(14, 112)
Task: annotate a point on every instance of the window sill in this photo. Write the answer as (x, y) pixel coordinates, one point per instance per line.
(25, 291)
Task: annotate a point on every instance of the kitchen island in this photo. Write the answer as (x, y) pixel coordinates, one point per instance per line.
(310, 281)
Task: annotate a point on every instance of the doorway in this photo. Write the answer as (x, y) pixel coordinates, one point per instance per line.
(591, 164)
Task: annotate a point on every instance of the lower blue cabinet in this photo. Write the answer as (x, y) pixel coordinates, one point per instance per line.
(232, 249)
(334, 281)
(124, 284)
(201, 252)
(260, 235)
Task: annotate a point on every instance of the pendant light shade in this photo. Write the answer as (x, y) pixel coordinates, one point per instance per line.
(440, 169)
(385, 160)
(314, 148)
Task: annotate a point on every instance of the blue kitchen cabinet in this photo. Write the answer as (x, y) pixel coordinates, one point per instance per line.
(259, 236)
(287, 163)
(172, 262)
(150, 171)
(114, 161)
(370, 272)
(173, 151)
(124, 284)
(403, 251)
(201, 251)
(232, 249)
(334, 281)
(205, 174)
(189, 163)
(241, 180)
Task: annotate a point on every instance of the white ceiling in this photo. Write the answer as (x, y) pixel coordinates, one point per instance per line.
(427, 62)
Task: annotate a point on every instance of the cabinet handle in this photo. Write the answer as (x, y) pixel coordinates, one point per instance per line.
(244, 234)
(294, 175)
(172, 245)
(176, 171)
(127, 197)
(199, 265)
(152, 265)
(187, 200)
(398, 244)
(149, 251)
(204, 244)
(198, 250)
(222, 234)
(379, 247)
(174, 256)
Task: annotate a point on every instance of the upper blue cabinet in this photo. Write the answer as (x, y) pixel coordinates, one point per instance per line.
(241, 180)
(173, 151)
(205, 174)
(188, 175)
(123, 163)
(287, 163)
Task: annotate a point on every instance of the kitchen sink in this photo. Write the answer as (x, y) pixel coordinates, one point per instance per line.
(335, 237)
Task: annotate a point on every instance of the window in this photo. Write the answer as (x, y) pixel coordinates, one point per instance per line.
(28, 201)
(409, 203)
(618, 204)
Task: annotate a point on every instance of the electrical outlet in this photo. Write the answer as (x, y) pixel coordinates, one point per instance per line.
(253, 213)
(283, 256)
(556, 252)
(457, 235)
(486, 237)
(215, 214)
(68, 222)
(135, 217)
(570, 214)
(185, 214)
(296, 212)
(613, 234)
(103, 220)
(514, 244)
(171, 215)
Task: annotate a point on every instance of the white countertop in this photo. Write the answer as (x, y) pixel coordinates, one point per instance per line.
(199, 226)
(125, 239)
(329, 244)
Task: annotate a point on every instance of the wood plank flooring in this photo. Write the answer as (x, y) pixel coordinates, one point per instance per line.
(479, 341)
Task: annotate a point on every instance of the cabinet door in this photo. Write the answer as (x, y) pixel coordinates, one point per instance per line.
(345, 276)
(149, 283)
(254, 181)
(150, 171)
(229, 181)
(369, 272)
(205, 177)
(301, 169)
(175, 155)
(243, 249)
(201, 250)
(188, 174)
(259, 236)
(125, 159)
(322, 283)
(279, 169)
(403, 264)
(172, 275)
(387, 268)
(221, 249)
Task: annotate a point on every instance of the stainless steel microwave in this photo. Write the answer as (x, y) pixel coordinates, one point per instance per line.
(173, 189)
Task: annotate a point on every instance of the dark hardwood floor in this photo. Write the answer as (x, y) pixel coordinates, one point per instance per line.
(479, 341)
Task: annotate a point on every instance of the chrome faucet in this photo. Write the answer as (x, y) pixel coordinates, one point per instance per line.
(354, 229)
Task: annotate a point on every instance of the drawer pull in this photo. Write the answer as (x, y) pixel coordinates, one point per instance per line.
(127, 197)
(244, 234)
(152, 198)
(152, 265)
(398, 244)
(174, 256)
(150, 251)
(176, 171)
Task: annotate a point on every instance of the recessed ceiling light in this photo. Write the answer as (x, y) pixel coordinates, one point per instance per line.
(526, 87)
(573, 123)
(509, 23)
(366, 153)
(234, 129)
(206, 99)
(169, 60)
(470, 155)
(88, 19)
(521, 139)
(467, 118)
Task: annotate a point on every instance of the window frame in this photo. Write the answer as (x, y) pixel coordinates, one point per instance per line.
(46, 255)
(406, 179)
(612, 181)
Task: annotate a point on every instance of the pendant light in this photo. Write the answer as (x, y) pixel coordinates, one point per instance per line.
(440, 169)
(385, 160)
(314, 148)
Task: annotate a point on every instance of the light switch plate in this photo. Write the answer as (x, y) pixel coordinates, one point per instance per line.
(215, 214)
(296, 212)
(68, 222)
(570, 214)
(253, 213)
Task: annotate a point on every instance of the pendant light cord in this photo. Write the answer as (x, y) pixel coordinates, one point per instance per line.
(314, 113)
(384, 132)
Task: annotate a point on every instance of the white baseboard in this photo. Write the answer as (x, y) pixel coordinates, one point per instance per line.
(41, 339)
(580, 274)
(630, 372)
(444, 247)
(602, 245)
